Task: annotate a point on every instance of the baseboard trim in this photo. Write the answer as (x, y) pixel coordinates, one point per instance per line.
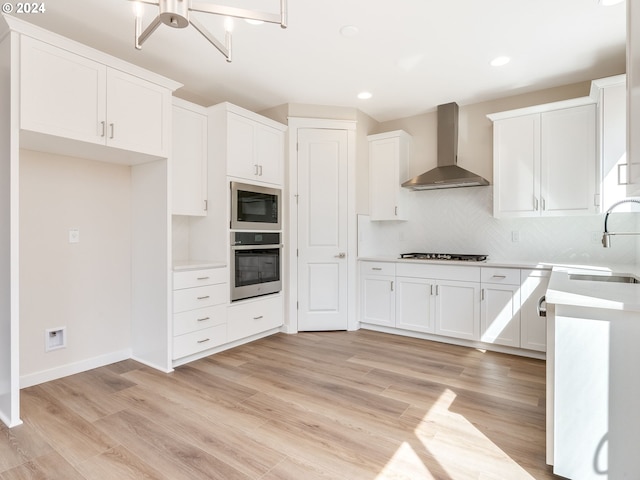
(73, 368)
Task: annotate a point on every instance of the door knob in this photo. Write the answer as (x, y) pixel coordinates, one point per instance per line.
(341, 255)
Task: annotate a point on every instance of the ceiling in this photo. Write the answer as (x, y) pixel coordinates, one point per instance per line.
(410, 54)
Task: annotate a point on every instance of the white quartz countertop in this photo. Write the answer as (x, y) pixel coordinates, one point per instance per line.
(487, 263)
(563, 290)
(183, 265)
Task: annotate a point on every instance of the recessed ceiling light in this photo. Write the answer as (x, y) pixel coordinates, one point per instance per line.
(365, 95)
(608, 3)
(349, 31)
(500, 61)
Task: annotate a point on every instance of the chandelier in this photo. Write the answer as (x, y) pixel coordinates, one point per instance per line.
(175, 13)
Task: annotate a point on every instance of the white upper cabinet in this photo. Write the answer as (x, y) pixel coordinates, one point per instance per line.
(633, 96)
(388, 168)
(74, 97)
(62, 93)
(611, 94)
(189, 159)
(545, 161)
(255, 148)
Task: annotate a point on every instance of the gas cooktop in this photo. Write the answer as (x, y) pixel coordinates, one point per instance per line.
(445, 256)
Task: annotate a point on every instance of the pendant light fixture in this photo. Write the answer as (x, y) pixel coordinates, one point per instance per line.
(175, 13)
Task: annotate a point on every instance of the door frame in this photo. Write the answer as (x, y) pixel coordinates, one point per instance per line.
(291, 214)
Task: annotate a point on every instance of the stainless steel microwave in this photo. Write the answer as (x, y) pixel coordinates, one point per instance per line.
(254, 207)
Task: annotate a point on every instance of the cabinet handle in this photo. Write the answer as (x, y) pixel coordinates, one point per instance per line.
(392, 285)
(103, 124)
(499, 276)
(203, 278)
(395, 212)
(258, 317)
(203, 341)
(437, 290)
(203, 298)
(376, 268)
(260, 168)
(542, 312)
(535, 204)
(113, 130)
(431, 289)
(340, 255)
(255, 169)
(482, 294)
(203, 319)
(626, 174)
(544, 204)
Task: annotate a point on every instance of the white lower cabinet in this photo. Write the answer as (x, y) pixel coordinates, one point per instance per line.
(457, 309)
(493, 305)
(254, 317)
(199, 310)
(377, 296)
(500, 307)
(415, 307)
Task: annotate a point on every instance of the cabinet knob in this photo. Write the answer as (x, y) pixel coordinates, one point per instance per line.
(341, 255)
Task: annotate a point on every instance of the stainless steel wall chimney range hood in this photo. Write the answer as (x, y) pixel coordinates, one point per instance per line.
(447, 174)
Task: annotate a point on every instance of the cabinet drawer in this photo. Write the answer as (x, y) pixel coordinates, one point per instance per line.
(196, 278)
(195, 342)
(199, 297)
(505, 276)
(194, 320)
(248, 319)
(377, 268)
(460, 273)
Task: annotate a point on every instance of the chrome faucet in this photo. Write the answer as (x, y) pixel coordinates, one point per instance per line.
(606, 241)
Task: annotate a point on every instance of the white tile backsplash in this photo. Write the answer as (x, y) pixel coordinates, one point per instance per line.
(460, 220)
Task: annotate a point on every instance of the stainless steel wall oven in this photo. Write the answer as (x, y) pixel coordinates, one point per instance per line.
(256, 259)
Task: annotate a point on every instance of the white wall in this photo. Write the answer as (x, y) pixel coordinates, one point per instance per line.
(84, 286)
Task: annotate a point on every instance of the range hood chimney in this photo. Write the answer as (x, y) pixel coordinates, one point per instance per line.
(447, 174)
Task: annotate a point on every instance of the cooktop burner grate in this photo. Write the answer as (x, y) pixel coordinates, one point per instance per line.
(445, 256)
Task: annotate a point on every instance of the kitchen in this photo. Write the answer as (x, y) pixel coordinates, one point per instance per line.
(499, 236)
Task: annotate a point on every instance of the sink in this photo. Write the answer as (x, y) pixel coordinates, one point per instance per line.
(604, 278)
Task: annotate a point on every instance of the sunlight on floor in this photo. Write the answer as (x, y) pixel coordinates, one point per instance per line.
(458, 448)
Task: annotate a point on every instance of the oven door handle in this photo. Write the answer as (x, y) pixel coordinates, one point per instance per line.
(254, 247)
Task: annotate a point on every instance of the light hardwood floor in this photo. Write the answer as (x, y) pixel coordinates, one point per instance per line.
(334, 405)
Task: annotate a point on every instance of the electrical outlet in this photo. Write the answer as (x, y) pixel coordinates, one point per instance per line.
(515, 236)
(74, 235)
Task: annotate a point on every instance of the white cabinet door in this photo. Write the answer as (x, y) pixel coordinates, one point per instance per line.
(568, 156)
(388, 166)
(240, 147)
(415, 308)
(458, 309)
(189, 160)
(61, 93)
(613, 143)
(500, 314)
(378, 300)
(633, 96)
(269, 154)
(533, 328)
(137, 114)
(255, 151)
(516, 166)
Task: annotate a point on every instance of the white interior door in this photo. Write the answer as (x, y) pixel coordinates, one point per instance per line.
(322, 229)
